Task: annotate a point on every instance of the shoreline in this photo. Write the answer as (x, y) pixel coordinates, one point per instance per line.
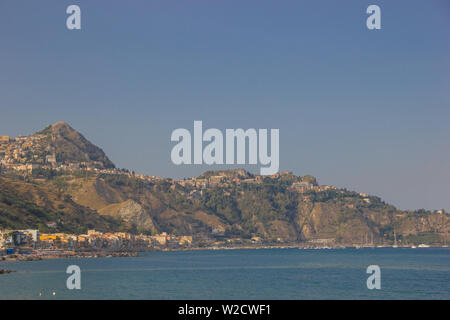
(296, 247)
(6, 271)
(65, 254)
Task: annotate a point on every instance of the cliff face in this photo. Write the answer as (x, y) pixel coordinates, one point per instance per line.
(132, 214)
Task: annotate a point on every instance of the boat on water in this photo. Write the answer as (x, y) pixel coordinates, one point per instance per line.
(413, 247)
(423, 246)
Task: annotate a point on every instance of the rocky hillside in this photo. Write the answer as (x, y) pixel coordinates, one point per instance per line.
(217, 205)
(144, 208)
(70, 146)
(270, 210)
(26, 205)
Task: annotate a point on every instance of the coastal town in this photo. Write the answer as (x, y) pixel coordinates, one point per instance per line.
(33, 155)
(31, 243)
(192, 213)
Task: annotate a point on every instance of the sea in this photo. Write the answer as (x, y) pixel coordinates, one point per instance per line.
(291, 273)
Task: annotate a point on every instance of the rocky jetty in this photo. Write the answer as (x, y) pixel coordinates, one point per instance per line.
(5, 271)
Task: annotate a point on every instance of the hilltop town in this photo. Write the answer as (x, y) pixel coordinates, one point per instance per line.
(34, 154)
(28, 155)
(56, 188)
(57, 147)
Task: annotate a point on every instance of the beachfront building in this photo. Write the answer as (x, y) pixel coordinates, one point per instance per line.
(18, 238)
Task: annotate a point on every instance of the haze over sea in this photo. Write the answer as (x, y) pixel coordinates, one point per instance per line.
(421, 273)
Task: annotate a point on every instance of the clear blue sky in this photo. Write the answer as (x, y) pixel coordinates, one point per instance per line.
(365, 110)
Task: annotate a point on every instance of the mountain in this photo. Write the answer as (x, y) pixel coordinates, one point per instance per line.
(269, 209)
(218, 205)
(70, 146)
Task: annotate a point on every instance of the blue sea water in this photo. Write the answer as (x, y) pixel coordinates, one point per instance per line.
(422, 273)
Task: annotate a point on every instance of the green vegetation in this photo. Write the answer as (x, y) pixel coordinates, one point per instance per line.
(47, 130)
(425, 237)
(19, 210)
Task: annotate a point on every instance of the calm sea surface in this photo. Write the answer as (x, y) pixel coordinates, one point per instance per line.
(422, 273)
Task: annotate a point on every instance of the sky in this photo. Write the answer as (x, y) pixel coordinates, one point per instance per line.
(368, 110)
